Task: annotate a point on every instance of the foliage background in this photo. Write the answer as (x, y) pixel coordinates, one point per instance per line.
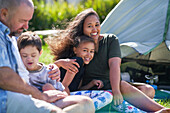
(59, 13)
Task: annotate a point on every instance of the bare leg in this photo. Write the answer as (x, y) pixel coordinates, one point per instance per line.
(164, 111)
(138, 98)
(72, 104)
(57, 111)
(76, 104)
(145, 88)
(148, 90)
(47, 87)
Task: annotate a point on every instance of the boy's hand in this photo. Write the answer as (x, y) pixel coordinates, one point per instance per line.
(98, 83)
(54, 72)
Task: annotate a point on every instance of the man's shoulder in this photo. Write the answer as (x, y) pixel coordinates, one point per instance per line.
(4, 28)
(2, 36)
(4, 31)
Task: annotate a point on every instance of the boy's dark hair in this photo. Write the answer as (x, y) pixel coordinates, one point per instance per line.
(29, 38)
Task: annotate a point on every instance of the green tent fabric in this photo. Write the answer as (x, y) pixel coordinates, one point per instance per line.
(143, 29)
(162, 94)
(142, 26)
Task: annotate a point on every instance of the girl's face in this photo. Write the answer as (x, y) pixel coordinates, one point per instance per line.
(30, 57)
(85, 51)
(91, 27)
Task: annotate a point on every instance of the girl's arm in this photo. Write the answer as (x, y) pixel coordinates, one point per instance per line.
(114, 65)
(94, 82)
(67, 80)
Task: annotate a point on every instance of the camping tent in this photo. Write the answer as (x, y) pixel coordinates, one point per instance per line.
(142, 29)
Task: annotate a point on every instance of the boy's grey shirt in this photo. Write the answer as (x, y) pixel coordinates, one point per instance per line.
(40, 77)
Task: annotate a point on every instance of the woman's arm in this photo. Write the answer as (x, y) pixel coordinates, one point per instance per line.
(68, 64)
(54, 72)
(114, 65)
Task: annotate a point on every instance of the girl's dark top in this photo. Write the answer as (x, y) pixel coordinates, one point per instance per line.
(76, 81)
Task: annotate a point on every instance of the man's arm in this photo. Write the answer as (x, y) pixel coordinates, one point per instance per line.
(10, 80)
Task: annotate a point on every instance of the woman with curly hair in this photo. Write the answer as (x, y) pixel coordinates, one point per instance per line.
(106, 62)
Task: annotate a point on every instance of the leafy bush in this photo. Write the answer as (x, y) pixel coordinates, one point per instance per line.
(58, 14)
(102, 7)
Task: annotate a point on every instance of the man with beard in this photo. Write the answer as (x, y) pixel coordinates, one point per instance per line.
(16, 95)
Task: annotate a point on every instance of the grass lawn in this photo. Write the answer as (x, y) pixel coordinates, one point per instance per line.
(165, 103)
(46, 58)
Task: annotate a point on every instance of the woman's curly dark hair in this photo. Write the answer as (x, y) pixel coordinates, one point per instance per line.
(62, 44)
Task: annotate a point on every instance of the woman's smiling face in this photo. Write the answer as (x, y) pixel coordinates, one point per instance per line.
(91, 27)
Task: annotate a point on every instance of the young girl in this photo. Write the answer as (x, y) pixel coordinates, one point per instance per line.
(82, 49)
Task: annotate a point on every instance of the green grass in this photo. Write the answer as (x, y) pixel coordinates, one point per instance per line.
(47, 58)
(165, 103)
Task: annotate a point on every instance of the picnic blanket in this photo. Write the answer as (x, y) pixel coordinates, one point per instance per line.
(159, 95)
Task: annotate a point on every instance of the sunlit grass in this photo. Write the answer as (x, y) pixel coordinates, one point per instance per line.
(46, 57)
(165, 103)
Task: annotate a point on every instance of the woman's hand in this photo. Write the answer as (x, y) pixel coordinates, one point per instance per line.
(117, 98)
(98, 83)
(68, 64)
(54, 72)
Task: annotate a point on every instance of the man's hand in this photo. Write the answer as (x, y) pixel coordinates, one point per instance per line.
(53, 95)
(54, 72)
(68, 64)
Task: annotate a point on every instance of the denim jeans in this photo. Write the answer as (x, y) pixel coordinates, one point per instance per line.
(3, 100)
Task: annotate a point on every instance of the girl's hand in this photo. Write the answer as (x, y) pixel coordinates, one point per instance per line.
(117, 98)
(68, 64)
(98, 83)
(54, 72)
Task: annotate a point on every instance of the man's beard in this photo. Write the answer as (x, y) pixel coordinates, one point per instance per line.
(17, 34)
